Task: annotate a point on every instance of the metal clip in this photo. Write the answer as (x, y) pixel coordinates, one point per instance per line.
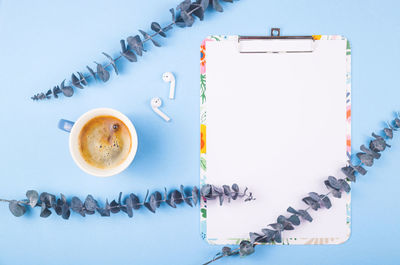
(275, 43)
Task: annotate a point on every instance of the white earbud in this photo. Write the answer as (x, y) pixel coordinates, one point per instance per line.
(155, 104)
(169, 77)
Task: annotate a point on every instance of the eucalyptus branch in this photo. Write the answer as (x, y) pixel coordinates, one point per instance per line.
(314, 200)
(89, 206)
(183, 17)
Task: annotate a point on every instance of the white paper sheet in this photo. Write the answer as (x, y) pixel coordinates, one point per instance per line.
(276, 123)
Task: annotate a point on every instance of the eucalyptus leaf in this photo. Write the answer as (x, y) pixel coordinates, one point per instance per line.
(185, 198)
(397, 122)
(288, 226)
(120, 198)
(374, 154)
(58, 207)
(77, 206)
(281, 219)
(305, 215)
(136, 44)
(123, 46)
(345, 186)
(268, 234)
(173, 14)
(68, 91)
(103, 74)
(326, 201)
(75, 81)
(56, 91)
(334, 183)
(183, 6)
(180, 22)
(388, 132)
(112, 62)
(65, 212)
(89, 212)
(336, 193)
(380, 138)
(33, 197)
(294, 219)
(90, 204)
(105, 212)
(158, 197)
(277, 226)
(47, 198)
(292, 210)
(284, 222)
(148, 37)
(92, 73)
(312, 203)
(136, 201)
(349, 173)
(114, 207)
(128, 54)
(157, 28)
(128, 207)
(65, 208)
(314, 196)
(217, 191)
(155, 43)
(255, 237)
(165, 197)
(177, 197)
(40, 96)
(221, 199)
(226, 251)
(171, 203)
(278, 236)
(151, 204)
(235, 189)
(82, 79)
(16, 209)
(245, 248)
(206, 191)
(328, 185)
(376, 146)
(204, 4)
(217, 6)
(188, 19)
(195, 195)
(44, 211)
(227, 192)
(197, 10)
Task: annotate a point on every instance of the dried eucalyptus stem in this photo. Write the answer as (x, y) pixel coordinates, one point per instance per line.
(184, 17)
(314, 200)
(63, 207)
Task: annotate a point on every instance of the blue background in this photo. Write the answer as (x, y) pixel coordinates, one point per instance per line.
(43, 42)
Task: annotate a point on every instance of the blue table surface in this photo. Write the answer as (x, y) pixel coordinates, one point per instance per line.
(43, 42)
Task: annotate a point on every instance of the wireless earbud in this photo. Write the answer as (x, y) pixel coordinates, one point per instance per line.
(169, 77)
(155, 104)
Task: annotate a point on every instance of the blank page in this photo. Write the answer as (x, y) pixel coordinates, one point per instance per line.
(276, 123)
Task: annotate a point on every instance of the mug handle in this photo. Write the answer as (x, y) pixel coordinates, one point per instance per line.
(65, 125)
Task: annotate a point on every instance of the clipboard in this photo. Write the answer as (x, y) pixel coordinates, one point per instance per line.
(275, 117)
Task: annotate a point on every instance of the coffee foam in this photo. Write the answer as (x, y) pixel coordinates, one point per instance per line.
(105, 142)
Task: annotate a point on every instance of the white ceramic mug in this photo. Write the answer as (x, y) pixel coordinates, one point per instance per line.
(74, 128)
